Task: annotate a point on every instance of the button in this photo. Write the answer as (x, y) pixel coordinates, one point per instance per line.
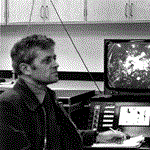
(107, 125)
(109, 107)
(107, 120)
(97, 107)
(106, 111)
(108, 116)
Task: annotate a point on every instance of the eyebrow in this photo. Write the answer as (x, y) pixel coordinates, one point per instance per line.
(48, 57)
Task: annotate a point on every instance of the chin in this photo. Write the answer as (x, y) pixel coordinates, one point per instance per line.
(46, 82)
(51, 82)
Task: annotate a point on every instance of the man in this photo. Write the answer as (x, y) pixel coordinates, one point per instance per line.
(30, 116)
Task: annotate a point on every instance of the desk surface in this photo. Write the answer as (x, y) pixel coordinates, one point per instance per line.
(88, 148)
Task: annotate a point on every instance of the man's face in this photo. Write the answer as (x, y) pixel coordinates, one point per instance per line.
(46, 67)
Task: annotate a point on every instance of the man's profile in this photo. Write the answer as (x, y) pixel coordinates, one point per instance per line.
(30, 117)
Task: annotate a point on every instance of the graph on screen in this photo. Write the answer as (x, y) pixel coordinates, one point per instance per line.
(134, 115)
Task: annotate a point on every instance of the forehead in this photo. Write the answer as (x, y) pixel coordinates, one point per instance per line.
(44, 53)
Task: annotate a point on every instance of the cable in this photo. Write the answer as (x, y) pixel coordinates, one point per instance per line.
(75, 47)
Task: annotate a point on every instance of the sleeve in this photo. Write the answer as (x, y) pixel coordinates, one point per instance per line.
(89, 137)
(12, 135)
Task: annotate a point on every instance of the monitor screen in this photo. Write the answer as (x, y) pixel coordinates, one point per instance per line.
(134, 116)
(127, 64)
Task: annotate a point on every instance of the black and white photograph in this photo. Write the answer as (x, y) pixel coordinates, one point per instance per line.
(74, 74)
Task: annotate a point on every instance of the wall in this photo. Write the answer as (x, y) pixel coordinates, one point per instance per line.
(88, 39)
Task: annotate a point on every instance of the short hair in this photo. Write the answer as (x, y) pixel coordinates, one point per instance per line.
(24, 52)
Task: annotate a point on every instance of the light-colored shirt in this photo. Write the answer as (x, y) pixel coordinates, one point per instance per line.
(37, 89)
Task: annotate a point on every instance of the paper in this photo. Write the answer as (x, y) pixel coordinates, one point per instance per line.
(132, 143)
(135, 139)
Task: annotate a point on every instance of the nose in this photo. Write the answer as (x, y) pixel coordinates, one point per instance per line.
(55, 64)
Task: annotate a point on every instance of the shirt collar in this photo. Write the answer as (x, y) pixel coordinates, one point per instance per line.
(27, 95)
(36, 88)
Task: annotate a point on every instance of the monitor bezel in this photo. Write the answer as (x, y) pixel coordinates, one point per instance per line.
(106, 84)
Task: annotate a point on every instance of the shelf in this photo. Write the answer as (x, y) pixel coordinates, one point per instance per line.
(76, 22)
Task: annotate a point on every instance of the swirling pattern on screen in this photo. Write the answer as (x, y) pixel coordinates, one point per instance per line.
(129, 65)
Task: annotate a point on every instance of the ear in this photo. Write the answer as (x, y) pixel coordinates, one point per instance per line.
(25, 68)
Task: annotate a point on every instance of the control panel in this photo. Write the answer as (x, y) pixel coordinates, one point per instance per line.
(101, 115)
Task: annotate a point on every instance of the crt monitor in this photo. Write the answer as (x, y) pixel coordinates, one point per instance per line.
(127, 65)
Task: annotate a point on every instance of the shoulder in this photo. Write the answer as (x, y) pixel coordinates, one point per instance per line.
(8, 101)
(9, 95)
